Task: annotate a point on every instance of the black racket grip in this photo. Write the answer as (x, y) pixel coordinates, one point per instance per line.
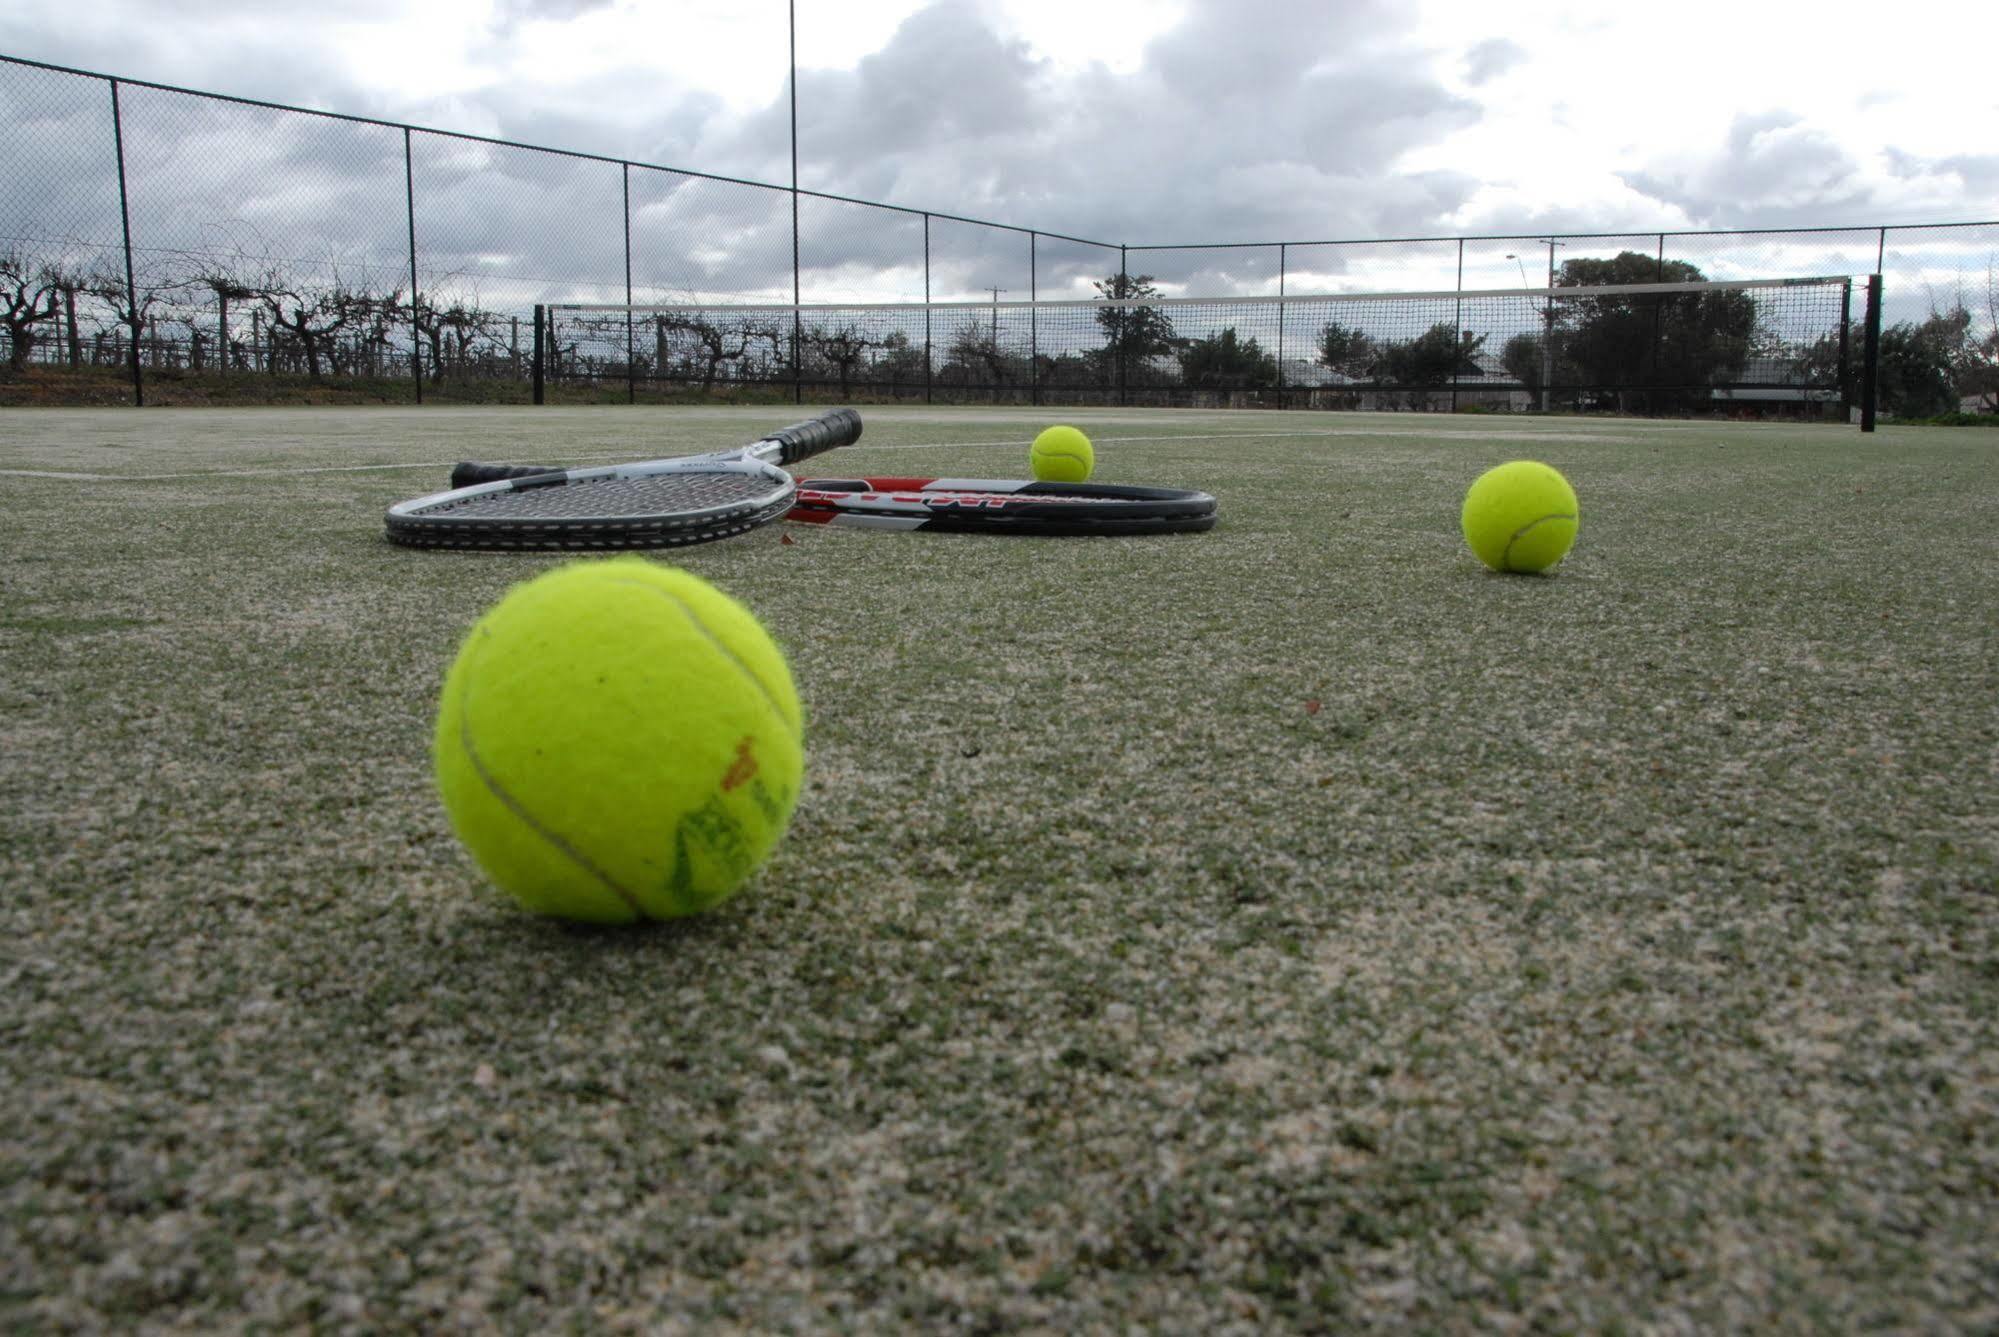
(841, 427)
(469, 472)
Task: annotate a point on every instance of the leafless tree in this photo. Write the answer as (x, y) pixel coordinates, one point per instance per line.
(845, 348)
(451, 332)
(385, 315)
(974, 344)
(222, 283)
(28, 298)
(714, 342)
(312, 317)
(70, 280)
(132, 306)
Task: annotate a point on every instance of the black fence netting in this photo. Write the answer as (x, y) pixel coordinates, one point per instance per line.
(167, 243)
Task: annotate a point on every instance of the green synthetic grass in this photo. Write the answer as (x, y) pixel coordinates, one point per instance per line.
(1291, 926)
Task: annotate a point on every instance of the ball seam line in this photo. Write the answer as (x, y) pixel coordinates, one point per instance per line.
(527, 818)
(723, 649)
(1506, 556)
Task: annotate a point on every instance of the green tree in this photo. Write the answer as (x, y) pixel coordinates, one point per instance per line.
(1521, 356)
(1223, 362)
(1347, 351)
(1981, 378)
(1438, 356)
(1133, 333)
(1644, 340)
(1980, 373)
(1921, 363)
(899, 364)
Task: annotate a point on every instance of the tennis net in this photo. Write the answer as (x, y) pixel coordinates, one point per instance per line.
(1659, 347)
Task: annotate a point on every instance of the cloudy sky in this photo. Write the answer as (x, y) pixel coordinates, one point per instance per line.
(1161, 120)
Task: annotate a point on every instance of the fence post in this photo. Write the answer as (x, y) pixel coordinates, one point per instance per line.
(540, 393)
(1652, 396)
(416, 298)
(1123, 325)
(1458, 326)
(926, 309)
(1033, 322)
(1281, 248)
(631, 360)
(797, 325)
(125, 221)
(1870, 364)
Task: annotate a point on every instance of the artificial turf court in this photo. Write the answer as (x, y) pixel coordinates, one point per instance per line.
(1292, 925)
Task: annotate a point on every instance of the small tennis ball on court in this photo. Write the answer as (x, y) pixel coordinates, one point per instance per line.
(619, 740)
(1062, 455)
(1520, 516)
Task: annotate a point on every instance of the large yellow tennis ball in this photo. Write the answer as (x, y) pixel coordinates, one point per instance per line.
(1520, 517)
(619, 740)
(1062, 455)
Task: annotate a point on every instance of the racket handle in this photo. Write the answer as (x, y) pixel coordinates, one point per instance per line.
(841, 427)
(469, 472)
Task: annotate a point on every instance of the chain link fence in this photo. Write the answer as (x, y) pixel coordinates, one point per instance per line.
(164, 245)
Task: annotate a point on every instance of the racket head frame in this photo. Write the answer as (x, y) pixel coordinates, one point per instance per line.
(733, 491)
(1002, 506)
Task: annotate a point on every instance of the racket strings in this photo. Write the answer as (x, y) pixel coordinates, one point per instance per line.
(596, 498)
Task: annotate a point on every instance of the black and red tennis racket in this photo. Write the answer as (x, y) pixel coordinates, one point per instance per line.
(1001, 506)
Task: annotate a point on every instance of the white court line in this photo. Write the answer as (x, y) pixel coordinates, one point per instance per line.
(574, 459)
(1323, 432)
(217, 473)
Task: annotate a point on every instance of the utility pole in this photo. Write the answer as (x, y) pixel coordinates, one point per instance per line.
(996, 292)
(1548, 324)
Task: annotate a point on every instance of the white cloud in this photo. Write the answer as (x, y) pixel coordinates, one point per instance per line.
(1132, 120)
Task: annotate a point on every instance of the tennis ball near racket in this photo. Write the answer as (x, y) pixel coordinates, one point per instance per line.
(1062, 455)
(619, 740)
(1520, 517)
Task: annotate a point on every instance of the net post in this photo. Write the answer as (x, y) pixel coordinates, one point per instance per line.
(536, 373)
(1870, 357)
(797, 354)
(1846, 352)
